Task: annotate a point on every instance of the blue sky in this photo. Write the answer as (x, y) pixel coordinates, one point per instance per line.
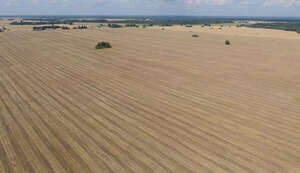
(152, 7)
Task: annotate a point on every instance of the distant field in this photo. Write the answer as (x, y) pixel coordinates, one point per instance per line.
(159, 101)
(293, 26)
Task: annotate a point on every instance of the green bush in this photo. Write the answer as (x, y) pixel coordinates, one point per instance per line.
(102, 45)
(42, 28)
(131, 25)
(81, 27)
(227, 42)
(114, 25)
(195, 35)
(65, 28)
(3, 29)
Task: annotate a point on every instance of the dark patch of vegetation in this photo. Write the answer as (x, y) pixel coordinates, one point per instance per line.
(65, 28)
(280, 26)
(132, 25)
(206, 24)
(102, 45)
(81, 27)
(227, 42)
(189, 26)
(3, 29)
(166, 24)
(195, 35)
(113, 25)
(42, 28)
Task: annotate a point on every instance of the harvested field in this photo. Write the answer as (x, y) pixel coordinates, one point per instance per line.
(158, 101)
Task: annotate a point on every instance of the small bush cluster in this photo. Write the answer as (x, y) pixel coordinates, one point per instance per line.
(102, 45)
(114, 25)
(227, 42)
(195, 35)
(166, 24)
(65, 28)
(80, 27)
(3, 29)
(189, 26)
(42, 28)
(132, 25)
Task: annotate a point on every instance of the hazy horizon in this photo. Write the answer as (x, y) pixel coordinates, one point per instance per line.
(231, 8)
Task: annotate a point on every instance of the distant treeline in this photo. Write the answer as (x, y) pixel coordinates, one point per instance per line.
(170, 22)
(40, 23)
(80, 27)
(280, 26)
(148, 21)
(42, 28)
(114, 25)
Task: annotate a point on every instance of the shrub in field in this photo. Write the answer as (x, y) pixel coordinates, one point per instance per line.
(114, 25)
(189, 26)
(80, 27)
(102, 45)
(3, 29)
(42, 28)
(65, 28)
(227, 42)
(195, 35)
(131, 25)
(166, 24)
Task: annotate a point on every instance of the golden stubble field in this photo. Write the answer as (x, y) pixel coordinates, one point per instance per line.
(158, 101)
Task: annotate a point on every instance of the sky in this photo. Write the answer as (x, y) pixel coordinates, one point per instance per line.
(152, 7)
